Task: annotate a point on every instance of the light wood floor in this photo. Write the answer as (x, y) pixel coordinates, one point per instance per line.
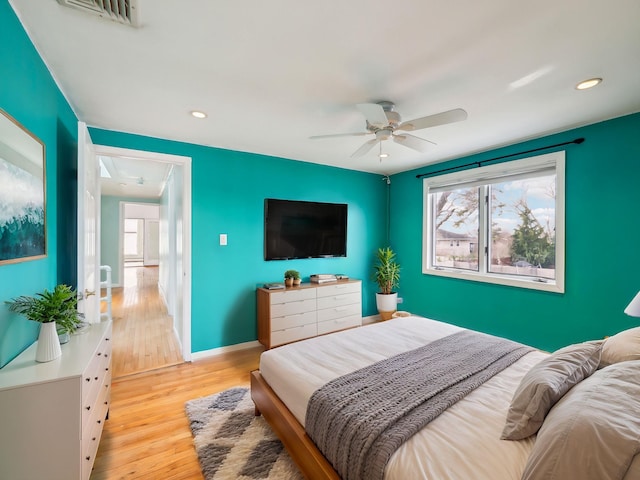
(143, 337)
(147, 435)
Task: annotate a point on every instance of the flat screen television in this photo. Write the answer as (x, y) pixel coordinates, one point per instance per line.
(297, 229)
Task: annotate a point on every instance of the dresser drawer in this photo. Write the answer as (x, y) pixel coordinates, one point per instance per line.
(97, 368)
(292, 308)
(292, 295)
(338, 300)
(339, 289)
(290, 321)
(95, 409)
(293, 334)
(339, 324)
(339, 312)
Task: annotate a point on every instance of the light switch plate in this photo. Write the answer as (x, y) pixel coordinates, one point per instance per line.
(223, 239)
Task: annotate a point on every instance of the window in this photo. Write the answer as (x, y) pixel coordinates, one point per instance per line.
(133, 238)
(501, 223)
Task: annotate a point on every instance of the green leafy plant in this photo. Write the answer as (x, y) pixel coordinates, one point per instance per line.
(292, 274)
(59, 305)
(386, 271)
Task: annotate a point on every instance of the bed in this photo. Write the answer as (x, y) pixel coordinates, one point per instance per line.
(465, 441)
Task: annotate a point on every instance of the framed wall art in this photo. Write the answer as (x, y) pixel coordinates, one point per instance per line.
(23, 232)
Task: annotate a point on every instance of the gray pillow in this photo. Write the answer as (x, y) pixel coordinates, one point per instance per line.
(593, 432)
(545, 384)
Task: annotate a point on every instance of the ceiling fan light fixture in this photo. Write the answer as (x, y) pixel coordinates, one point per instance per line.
(198, 114)
(590, 83)
(382, 155)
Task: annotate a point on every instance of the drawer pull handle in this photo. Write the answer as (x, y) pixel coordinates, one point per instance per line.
(341, 309)
(95, 378)
(87, 458)
(88, 408)
(99, 422)
(93, 439)
(99, 353)
(107, 339)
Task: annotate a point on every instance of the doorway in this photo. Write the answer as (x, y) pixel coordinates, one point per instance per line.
(152, 291)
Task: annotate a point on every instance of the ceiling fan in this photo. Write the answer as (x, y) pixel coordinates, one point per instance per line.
(384, 122)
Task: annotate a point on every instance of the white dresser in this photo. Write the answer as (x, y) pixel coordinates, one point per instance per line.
(52, 414)
(308, 310)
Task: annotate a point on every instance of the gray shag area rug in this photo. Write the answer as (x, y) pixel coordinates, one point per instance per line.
(232, 443)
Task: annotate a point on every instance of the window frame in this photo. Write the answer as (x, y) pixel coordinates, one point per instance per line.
(555, 160)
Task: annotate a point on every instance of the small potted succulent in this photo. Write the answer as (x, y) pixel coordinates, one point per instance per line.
(291, 278)
(57, 313)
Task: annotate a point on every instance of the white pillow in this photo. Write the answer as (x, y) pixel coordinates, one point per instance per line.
(621, 347)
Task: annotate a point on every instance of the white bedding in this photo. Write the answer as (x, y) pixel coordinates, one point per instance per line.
(462, 443)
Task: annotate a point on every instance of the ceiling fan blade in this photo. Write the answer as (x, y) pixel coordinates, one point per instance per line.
(374, 113)
(366, 146)
(333, 135)
(451, 116)
(411, 141)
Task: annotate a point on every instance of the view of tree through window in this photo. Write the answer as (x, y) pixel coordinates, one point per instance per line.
(501, 223)
(522, 216)
(456, 214)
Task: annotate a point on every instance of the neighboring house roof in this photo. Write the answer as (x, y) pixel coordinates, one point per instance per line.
(447, 235)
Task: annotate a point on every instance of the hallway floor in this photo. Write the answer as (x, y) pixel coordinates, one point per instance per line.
(143, 337)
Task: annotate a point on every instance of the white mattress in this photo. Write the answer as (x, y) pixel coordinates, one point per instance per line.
(462, 443)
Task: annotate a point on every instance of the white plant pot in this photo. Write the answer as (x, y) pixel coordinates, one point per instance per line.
(387, 304)
(48, 343)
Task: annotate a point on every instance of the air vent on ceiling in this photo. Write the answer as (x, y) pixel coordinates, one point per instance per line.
(121, 11)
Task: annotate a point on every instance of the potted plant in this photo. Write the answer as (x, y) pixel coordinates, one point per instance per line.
(57, 313)
(291, 277)
(387, 276)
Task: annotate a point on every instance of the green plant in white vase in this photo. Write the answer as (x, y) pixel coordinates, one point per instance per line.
(386, 273)
(57, 313)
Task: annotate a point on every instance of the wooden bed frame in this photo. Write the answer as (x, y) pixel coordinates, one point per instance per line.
(303, 451)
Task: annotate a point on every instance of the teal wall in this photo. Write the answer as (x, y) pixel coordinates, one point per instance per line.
(110, 230)
(601, 252)
(29, 94)
(228, 192)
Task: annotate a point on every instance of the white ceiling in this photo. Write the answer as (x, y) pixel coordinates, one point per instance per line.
(132, 177)
(271, 74)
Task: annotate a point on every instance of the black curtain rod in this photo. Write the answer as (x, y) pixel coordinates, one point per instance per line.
(479, 164)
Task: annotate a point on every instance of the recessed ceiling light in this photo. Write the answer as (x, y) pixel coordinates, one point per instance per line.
(592, 82)
(383, 155)
(198, 114)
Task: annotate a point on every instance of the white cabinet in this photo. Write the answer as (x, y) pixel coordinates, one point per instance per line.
(308, 310)
(52, 414)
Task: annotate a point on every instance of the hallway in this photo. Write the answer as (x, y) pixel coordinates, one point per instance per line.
(143, 337)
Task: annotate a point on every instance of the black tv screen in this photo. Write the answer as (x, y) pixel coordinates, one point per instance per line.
(297, 229)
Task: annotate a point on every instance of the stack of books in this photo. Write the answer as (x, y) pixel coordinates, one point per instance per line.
(323, 278)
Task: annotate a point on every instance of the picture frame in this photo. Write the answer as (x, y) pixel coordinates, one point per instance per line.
(23, 232)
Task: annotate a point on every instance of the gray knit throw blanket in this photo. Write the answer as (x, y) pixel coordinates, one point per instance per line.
(360, 419)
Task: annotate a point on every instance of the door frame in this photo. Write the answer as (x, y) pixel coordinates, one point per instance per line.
(185, 163)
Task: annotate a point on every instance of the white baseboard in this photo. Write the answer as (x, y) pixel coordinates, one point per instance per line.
(370, 319)
(229, 348)
(243, 346)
